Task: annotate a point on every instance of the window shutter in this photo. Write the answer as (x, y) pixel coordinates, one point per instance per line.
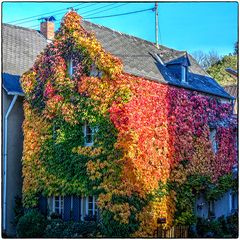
(76, 208)
(43, 205)
(67, 208)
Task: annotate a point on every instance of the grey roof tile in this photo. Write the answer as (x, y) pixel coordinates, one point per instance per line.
(20, 47)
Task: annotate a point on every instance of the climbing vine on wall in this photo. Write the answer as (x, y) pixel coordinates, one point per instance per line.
(151, 139)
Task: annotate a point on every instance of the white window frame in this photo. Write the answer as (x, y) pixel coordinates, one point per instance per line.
(212, 137)
(93, 129)
(70, 67)
(94, 209)
(61, 204)
(184, 74)
(231, 202)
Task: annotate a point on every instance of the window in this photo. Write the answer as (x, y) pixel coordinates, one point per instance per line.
(71, 67)
(89, 134)
(213, 139)
(58, 204)
(211, 210)
(94, 72)
(233, 201)
(184, 74)
(91, 206)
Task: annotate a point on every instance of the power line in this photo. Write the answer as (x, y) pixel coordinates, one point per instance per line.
(113, 15)
(106, 10)
(40, 15)
(121, 14)
(63, 10)
(92, 10)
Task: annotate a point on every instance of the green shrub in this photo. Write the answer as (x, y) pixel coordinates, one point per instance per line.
(18, 210)
(31, 224)
(232, 225)
(57, 228)
(218, 228)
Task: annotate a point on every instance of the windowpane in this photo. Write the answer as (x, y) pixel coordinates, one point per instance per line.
(89, 138)
(213, 139)
(58, 202)
(89, 135)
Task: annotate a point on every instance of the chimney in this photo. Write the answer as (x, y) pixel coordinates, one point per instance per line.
(47, 27)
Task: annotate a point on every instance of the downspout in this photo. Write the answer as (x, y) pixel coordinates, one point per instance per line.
(5, 161)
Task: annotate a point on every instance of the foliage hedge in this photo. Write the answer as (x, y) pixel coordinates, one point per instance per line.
(31, 225)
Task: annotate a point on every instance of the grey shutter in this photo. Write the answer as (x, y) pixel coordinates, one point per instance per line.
(76, 209)
(42, 205)
(67, 208)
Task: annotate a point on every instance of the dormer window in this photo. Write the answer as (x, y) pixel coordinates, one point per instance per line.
(179, 68)
(184, 74)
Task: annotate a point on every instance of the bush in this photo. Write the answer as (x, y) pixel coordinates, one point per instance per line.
(57, 228)
(18, 210)
(232, 225)
(31, 224)
(218, 228)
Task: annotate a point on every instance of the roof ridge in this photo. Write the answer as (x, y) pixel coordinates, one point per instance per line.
(132, 36)
(24, 28)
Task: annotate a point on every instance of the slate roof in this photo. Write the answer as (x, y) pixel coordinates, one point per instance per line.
(140, 57)
(183, 60)
(20, 47)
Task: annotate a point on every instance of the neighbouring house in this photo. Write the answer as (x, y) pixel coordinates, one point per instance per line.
(233, 91)
(233, 88)
(20, 47)
(114, 128)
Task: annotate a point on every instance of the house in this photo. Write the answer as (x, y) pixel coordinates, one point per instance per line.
(20, 47)
(233, 89)
(104, 135)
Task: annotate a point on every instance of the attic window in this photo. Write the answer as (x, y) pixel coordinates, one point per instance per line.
(184, 74)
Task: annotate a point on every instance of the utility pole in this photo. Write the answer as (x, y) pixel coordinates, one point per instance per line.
(156, 24)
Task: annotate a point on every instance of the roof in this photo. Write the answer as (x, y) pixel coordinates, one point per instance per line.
(11, 84)
(183, 60)
(20, 47)
(232, 72)
(140, 57)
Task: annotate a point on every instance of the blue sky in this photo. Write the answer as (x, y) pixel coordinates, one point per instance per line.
(189, 26)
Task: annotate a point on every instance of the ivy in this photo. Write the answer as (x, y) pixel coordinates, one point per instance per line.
(152, 154)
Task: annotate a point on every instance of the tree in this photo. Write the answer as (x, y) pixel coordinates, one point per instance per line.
(205, 60)
(218, 70)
